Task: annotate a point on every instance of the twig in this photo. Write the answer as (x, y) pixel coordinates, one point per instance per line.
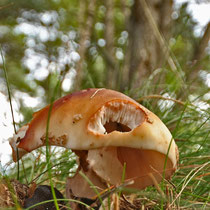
(161, 97)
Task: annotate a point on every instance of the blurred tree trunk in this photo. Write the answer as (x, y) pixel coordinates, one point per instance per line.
(198, 55)
(85, 30)
(144, 53)
(199, 51)
(109, 37)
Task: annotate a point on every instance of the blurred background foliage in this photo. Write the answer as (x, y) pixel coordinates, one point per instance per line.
(115, 44)
(149, 50)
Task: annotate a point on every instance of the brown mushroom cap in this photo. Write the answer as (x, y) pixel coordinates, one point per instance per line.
(93, 119)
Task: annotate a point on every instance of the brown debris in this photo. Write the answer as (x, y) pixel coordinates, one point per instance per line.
(7, 198)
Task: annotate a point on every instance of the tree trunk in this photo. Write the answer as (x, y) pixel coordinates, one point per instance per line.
(144, 53)
(109, 37)
(86, 25)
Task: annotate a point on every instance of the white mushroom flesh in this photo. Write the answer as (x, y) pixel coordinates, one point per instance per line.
(105, 163)
(116, 116)
(14, 141)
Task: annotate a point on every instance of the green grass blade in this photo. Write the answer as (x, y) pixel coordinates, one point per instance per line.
(11, 107)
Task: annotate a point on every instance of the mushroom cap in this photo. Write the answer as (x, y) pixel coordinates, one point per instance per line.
(97, 118)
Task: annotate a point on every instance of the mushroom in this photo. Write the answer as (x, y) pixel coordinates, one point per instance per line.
(106, 129)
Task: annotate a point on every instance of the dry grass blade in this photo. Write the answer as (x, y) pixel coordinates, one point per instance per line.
(157, 186)
(161, 97)
(186, 182)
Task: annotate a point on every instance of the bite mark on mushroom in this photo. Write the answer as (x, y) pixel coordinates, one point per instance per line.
(120, 116)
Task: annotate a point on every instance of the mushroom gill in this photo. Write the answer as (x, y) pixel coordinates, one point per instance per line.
(116, 115)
